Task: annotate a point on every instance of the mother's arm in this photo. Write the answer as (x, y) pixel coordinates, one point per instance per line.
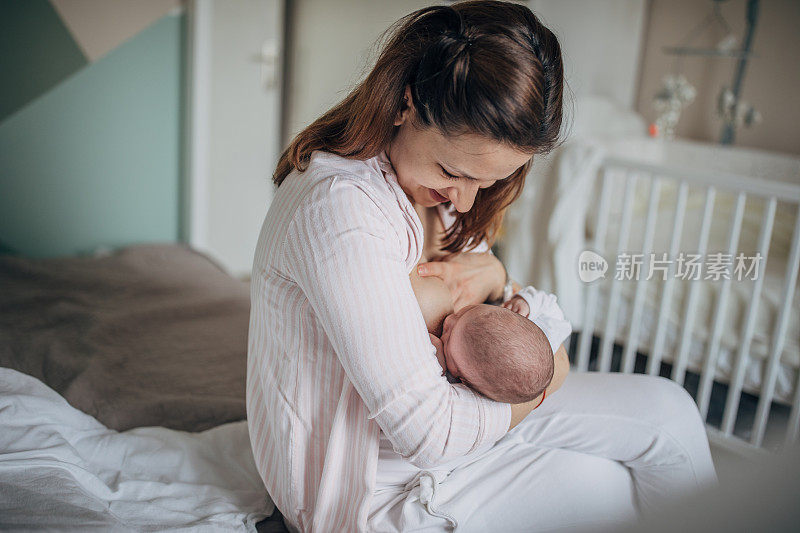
(345, 256)
(520, 410)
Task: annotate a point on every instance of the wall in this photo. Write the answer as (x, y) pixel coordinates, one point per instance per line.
(601, 41)
(330, 51)
(235, 126)
(37, 52)
(90, 153)
(772, 79)
(331, 48)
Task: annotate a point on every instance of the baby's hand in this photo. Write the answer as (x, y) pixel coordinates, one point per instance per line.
(437, 343)
(518, 305)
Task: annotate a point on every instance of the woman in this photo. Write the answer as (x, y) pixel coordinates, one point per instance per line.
(352, 425)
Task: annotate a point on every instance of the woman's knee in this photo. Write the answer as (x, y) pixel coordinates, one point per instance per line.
(668, 410)
(670, 403)
(677, 420)
(636, 396)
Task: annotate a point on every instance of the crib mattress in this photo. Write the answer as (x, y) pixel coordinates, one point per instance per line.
(739, 301)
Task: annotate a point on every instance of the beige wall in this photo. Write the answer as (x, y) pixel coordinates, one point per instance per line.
(772, 79)
(330, 48)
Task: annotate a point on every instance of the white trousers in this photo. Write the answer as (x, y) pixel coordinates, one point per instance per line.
(603, 449)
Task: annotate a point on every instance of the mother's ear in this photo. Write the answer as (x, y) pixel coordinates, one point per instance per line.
(406, 108)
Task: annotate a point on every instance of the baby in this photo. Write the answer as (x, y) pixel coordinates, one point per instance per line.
(505, 353)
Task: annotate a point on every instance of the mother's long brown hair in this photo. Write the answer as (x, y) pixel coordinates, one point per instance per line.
(483, 67)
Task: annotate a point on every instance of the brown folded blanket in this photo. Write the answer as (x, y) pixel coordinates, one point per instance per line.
(152, 335)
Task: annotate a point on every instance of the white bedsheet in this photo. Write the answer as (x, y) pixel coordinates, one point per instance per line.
(61, 469)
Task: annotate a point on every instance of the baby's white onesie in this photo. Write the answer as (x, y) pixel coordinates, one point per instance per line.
(545, 313)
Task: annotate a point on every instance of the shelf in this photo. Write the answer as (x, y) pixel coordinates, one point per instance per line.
(708, 52)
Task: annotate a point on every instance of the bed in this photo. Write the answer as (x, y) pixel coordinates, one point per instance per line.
(122, 394)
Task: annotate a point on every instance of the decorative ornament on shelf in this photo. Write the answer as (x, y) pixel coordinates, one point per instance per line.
(730, 107)
(736, 113)
(675, 94)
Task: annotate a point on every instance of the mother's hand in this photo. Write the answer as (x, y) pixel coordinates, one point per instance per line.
(471, 277)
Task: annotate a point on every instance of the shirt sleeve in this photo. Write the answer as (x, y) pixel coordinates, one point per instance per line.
(546, 313)
(348, 259)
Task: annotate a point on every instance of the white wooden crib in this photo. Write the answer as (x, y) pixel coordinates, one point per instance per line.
(733, 343)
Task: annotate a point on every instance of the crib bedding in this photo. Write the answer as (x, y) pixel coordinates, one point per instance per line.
(108, 362)
(772, 269)
(737, 307)
(552, 225)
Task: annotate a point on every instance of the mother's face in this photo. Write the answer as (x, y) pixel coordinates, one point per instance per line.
(433, 169)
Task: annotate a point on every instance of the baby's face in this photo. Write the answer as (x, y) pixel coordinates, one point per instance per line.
(453, 336)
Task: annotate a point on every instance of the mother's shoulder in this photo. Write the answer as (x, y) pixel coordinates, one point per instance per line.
(332, 185)
(331, 178)
(330, 164)
(326, 169)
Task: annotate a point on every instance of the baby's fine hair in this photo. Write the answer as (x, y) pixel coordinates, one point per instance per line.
(510, 357)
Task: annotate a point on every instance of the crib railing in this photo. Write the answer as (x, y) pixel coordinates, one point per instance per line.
(601, 324)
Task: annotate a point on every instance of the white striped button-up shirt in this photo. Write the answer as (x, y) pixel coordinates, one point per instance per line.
(338, 349)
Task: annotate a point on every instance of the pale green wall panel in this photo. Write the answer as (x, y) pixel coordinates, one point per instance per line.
(36, 52)
(96, 160)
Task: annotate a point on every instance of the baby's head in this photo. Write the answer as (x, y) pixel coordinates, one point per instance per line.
(497, 352)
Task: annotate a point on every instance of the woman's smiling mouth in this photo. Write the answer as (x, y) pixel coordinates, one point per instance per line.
(438, 197)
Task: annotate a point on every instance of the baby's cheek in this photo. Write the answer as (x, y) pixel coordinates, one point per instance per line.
(440, 358)
(455, 358)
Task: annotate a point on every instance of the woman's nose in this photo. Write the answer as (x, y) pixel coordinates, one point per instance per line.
(464, 196)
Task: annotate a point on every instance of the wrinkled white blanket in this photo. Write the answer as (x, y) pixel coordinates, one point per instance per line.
(61, 469)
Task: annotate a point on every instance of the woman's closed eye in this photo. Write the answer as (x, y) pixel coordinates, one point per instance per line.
(483, 185)
(450, 176)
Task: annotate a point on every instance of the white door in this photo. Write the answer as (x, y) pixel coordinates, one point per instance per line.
(233, 127)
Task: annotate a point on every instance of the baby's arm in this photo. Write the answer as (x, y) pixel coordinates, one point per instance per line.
(543, 310)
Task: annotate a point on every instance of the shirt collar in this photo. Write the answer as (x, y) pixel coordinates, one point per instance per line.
(382, 160)
(384, 163)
